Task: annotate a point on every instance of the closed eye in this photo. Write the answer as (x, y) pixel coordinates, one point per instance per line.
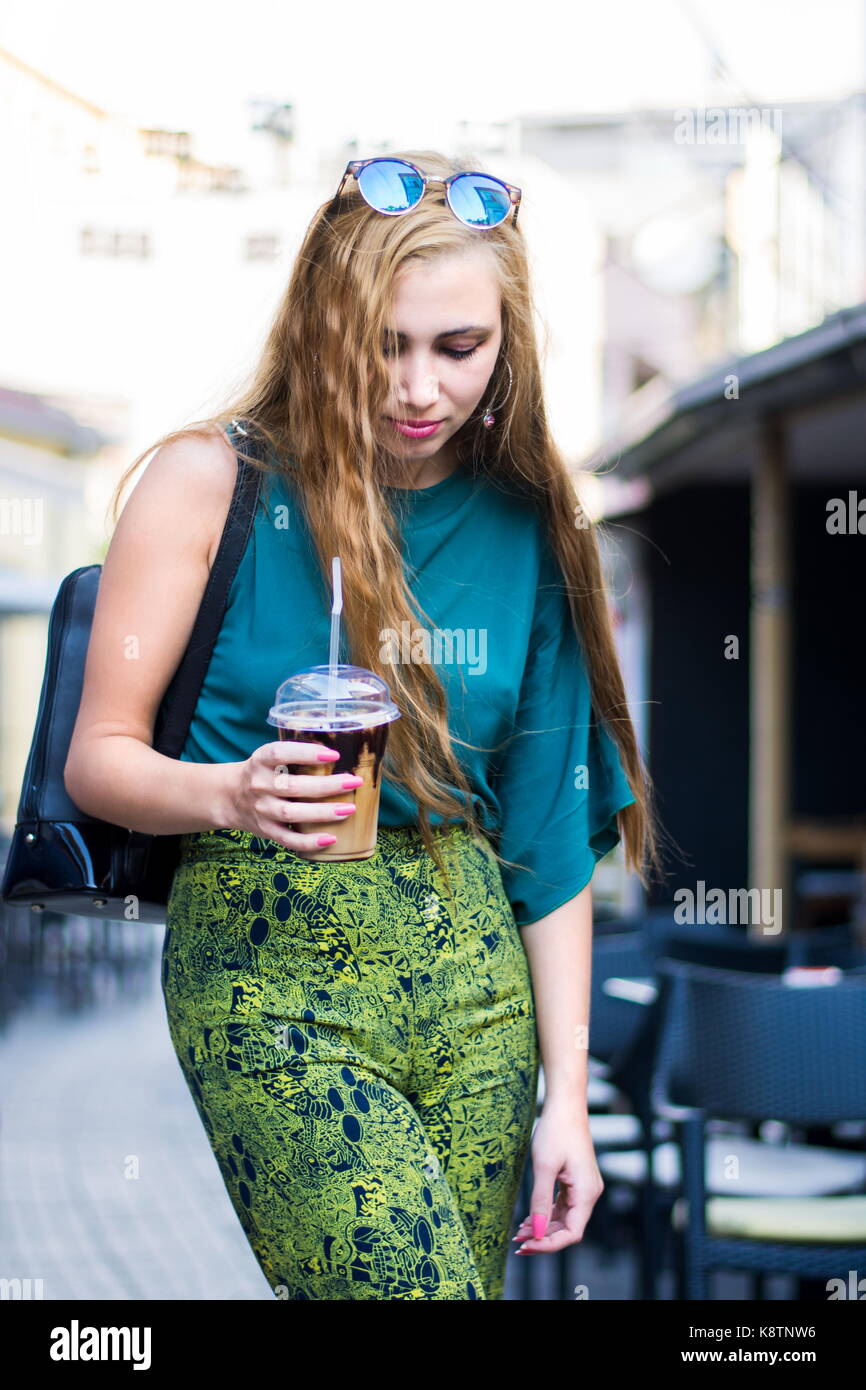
(456, 353)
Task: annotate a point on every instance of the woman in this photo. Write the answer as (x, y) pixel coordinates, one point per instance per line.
(362, 1038)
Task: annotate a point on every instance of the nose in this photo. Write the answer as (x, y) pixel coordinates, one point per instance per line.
(418, 387)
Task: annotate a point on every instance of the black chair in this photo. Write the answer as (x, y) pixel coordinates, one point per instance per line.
(728, 947)
(612, 1019)
(740, 1046)
(626, 1037)
(630, 1072)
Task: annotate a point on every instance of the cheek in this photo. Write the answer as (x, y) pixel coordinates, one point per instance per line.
(471, 384)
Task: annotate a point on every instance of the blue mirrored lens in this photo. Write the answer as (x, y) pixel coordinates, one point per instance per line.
(390, 185)
(478, 200)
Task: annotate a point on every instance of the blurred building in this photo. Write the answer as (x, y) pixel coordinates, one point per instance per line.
(142, 275)
(44, 455)
(742, 568)
(724, 229)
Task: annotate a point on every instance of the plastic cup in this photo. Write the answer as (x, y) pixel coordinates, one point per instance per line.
(363, 712)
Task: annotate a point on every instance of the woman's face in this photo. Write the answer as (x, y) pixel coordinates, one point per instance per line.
(447, 318)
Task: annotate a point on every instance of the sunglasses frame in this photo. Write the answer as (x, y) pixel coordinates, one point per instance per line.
(356, 166)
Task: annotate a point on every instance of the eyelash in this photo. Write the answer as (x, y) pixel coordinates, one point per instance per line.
(453, 352)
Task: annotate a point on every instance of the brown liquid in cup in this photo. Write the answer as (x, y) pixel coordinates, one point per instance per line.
(361, 752)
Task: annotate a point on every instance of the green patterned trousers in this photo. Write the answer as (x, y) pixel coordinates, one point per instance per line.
(362, 1052)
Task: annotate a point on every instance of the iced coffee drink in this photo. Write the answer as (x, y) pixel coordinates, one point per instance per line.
(349, 709)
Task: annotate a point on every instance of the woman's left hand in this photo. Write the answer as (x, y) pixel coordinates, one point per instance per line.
(563, 1152)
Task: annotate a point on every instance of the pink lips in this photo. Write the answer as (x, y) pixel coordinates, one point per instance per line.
(419, 431)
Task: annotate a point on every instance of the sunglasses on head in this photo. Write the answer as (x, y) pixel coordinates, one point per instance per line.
(394, 186)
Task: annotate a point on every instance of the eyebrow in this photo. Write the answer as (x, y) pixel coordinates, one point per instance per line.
(453, 332)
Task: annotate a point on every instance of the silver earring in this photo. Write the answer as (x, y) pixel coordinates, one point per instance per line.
(489, 419)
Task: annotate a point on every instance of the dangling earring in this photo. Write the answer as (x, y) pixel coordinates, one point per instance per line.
(489, 419)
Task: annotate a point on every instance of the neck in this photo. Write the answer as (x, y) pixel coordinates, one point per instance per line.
(426, 472)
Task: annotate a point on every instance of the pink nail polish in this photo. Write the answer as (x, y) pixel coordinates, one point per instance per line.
(330, 756)
(539, 1225)
(344, 810)
(326, 840)
(349, 782)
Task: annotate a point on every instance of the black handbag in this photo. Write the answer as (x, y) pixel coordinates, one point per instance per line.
(59, 858)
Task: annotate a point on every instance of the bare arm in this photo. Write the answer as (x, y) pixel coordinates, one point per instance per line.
(559, 950)
(150, 590)
(129, 784)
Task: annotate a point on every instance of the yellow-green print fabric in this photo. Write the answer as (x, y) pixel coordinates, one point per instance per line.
(362, 1051)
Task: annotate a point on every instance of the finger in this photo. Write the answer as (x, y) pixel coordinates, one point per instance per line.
(300, 786)
(297, 751)
(541, 1205)
(577, 1216)
(549, 1244)
(560, 1206)
(524, 1235)
(287, 813)
(295, 840)
(524, 1239)
(561, 1232)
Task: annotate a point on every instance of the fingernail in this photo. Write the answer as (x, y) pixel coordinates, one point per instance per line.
(351, 782)
(343, 810)
(539, 1225)
(328, 756)
(327, 840)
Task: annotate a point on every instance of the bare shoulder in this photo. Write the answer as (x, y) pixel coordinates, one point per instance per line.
(152, 582)
(193, 478)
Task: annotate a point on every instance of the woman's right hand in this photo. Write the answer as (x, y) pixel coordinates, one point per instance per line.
(265, 798)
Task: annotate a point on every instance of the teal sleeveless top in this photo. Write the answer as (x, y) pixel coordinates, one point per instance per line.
(546, 777)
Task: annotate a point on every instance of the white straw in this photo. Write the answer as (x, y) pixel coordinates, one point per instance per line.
(336, 610)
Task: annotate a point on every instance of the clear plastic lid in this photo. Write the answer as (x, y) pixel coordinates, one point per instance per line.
(362, 699)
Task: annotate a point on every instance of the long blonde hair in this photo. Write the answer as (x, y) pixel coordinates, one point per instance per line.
(322, 382)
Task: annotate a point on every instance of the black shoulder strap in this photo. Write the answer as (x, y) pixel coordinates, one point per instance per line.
(179, 702)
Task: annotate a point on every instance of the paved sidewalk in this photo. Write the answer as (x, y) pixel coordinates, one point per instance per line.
(108, 1187)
